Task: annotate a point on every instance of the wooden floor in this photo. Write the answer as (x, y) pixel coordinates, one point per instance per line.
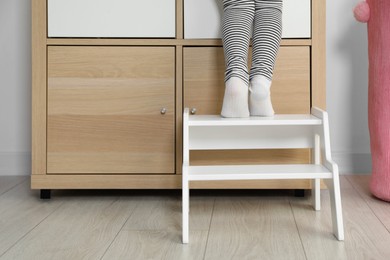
(223, 225)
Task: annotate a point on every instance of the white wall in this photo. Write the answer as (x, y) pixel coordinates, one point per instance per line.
(15, 87)
(346, 82)
(347, 79)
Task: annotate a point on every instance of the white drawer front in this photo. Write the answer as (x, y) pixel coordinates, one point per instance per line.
(202, 19)
(111, 18)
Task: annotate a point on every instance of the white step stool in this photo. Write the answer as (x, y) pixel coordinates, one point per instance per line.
(212, 132)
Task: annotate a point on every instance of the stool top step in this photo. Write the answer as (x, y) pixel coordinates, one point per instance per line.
(282, 119)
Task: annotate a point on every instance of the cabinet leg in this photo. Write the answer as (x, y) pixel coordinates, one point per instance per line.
(299, 193)
(45, 194)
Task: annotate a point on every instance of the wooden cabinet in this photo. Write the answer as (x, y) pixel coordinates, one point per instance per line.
(107, 99)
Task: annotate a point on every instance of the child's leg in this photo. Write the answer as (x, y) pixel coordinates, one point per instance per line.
(236, 29)
(267, 34)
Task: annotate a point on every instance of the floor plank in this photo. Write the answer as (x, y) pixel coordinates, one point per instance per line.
(253, 228)
(8, 182)
(157, 244)
(365, 236)
(164, 213)
(379, 207)
(82, 228)
(20, 211)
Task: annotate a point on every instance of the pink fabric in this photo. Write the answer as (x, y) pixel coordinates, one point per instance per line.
(362, 12)
(379, 96)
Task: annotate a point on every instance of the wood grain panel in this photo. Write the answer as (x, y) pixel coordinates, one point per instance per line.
(179, 109)
(318, 56)
(159, 42)
(249, 225)
(179, 19)
(106, 181)
(38, 77)
(9, 182)
(204, 89)
(172, 181)
(81, 228)
(232, 157)
(104, 108)
(156, 244)
(381, 208)
(252, 184)
(20, 212)
(165, 214)
(204, 70)
(253, 228)
(365, 235)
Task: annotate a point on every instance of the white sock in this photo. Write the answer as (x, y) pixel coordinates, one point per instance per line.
(235, 101)
(260, 97)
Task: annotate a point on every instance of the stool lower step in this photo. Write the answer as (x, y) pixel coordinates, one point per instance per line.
(258, 172)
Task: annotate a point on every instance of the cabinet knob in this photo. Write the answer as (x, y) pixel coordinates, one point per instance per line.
(163, 111)
(193, 111)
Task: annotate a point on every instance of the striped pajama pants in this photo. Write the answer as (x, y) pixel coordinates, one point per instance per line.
(239, 18)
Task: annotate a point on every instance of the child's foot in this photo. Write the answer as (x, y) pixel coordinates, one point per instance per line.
(260, 97)
(235, 101)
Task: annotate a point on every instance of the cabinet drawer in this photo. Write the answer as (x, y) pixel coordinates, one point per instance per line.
(202, 19)
(111, 18)
(204, 88)
(104, 110)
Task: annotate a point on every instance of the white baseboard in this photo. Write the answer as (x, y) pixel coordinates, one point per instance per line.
(353, 163)
(19, 163)
(15, 163)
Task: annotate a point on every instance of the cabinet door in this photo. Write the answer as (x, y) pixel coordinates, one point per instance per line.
(105, 110)
(202, 19)
(204, 70)
(111, 18)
